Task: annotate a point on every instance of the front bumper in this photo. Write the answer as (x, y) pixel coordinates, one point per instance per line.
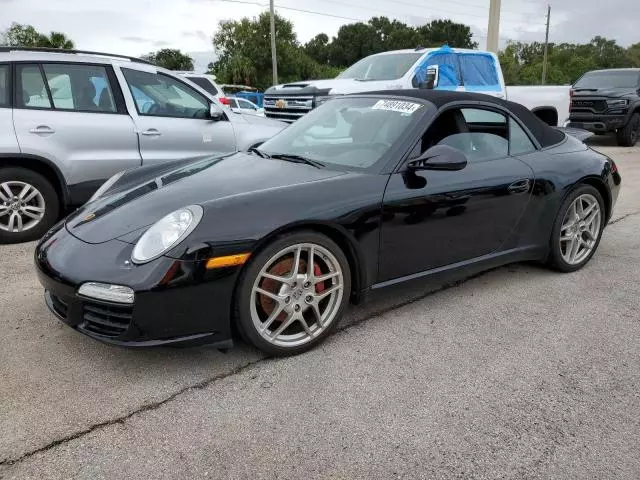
(176, 302)
(599, 124)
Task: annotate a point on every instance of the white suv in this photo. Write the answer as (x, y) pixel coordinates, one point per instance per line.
(69, 120)
(208, 83)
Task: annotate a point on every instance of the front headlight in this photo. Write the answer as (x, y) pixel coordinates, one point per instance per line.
(166, 233)
(106, 186)
(618, 103)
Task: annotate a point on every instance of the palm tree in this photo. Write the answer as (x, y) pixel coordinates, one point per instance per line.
(56, 40)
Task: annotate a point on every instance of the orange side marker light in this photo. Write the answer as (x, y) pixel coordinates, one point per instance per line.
(227, 261)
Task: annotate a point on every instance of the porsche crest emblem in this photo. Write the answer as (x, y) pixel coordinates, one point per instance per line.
(280, 103)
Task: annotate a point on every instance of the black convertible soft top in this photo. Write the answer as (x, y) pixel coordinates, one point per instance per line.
(546, 135)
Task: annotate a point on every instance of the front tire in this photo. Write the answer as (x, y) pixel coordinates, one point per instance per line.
(293, 293)
(29, 205)
(627, 136)
(577, 229)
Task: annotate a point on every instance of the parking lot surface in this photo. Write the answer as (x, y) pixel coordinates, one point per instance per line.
(518, 373)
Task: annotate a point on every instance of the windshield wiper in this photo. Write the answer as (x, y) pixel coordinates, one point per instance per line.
(258, 152)
(290, 157)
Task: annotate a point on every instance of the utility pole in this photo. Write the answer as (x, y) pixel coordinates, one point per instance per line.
(546, 47)
(494, 26)
(274, 60)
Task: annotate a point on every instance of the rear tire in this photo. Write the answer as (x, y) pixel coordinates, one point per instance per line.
(29, 205)
(627, 136)
(284, 310)
(577, 229)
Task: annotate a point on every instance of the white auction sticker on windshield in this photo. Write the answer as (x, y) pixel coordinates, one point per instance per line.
(396, 106)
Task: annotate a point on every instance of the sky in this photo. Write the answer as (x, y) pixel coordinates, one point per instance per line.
(135, 27)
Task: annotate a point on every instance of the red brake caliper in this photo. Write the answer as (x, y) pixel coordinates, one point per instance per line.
(317, 272)
(281, 269)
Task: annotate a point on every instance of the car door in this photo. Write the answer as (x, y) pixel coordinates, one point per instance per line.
(73, 115)
(172, 118)
(247, 107)
(8, 142)
(437, 218)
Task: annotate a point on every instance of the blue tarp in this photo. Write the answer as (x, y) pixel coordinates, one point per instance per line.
(477, 72)
(445, 58)
(254, 97)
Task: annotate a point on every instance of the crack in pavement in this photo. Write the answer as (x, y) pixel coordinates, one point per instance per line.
(626, 215)
(205, 383)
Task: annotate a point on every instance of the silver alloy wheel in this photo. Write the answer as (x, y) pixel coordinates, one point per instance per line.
(22, 206)
(580, 229)
(292, 307)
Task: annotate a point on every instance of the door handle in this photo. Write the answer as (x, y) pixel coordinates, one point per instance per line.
(42, 130)
(151, 132)
(521, 186)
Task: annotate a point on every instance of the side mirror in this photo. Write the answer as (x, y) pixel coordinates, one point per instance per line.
(439, 157)
(432, 77)
(215, 112)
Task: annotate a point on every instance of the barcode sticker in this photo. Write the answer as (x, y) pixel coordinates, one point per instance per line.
(396, 106)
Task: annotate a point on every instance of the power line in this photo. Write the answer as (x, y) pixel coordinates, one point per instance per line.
(248, 2)
(343, 17)
(375, 9)
(401, 2)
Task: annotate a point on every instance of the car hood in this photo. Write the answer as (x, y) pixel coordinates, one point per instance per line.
(202, 182)
(247, 118)
(604, 92)
(335, 86)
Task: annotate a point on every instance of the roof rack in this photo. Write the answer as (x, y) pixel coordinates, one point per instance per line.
(77, 52)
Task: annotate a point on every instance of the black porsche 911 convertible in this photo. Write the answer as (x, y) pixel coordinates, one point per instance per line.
(364, 192)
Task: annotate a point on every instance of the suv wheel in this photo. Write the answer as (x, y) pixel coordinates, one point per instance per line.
(628, 135)
(29, 205)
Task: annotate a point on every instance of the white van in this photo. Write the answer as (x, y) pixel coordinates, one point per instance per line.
(442, 68)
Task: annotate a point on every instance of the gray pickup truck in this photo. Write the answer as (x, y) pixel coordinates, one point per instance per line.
(605, 101)
(69, 120)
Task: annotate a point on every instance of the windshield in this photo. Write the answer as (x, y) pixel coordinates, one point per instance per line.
(381, 67)
(609, 79)
(348, 133)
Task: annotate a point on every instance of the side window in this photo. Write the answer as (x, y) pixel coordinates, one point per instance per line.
(519, 141)
(78, 87)
(245, 104)
(32, 92)
(160, 95)
(479, 70)
(4, 85)
(480, 134)
(447, 66)
(233, 103)
(204, 84)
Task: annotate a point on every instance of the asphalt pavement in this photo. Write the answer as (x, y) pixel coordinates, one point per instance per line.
(517, 373)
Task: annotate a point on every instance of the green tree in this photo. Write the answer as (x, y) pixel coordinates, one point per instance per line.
(633, 52)
(171, 59)
(441, 32)
(56, 40)
(355, 41)
(318, 48)
(522, 62)
(244, 48)
(18, 35)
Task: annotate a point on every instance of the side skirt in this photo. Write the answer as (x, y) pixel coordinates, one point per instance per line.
(471, 267)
